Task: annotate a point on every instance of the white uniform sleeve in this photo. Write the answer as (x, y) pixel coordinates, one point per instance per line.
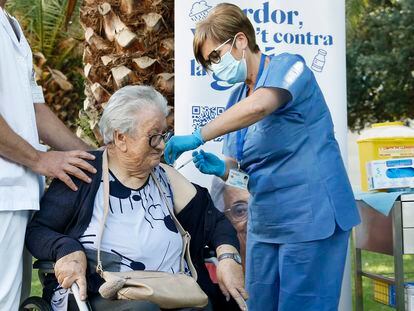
(37, 91)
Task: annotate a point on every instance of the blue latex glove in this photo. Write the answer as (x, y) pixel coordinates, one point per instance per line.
(179, 144)
(209, 163)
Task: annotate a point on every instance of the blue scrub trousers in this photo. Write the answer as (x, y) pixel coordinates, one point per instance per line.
(297, 276)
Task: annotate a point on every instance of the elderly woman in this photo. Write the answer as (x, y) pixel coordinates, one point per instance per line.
(233, 202)
(139, 232)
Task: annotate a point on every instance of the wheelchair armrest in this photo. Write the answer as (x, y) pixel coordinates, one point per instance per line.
(212, 260)
(44, 266)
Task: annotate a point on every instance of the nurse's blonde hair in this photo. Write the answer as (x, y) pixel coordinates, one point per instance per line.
(223, 23)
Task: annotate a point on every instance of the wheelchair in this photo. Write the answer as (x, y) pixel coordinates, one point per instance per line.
(38, 303)
(35, 303)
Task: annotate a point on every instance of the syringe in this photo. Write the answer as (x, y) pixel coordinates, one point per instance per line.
(185, 163)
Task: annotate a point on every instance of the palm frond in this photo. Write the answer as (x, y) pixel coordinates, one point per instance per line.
(29, 15)
(45, 23)
(53, 23)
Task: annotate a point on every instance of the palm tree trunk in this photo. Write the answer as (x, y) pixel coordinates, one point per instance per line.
(126, 42)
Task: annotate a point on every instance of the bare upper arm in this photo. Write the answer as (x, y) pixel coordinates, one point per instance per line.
(183, 190)
(40, 107)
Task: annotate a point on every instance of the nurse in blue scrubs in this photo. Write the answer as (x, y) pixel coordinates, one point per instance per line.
(279, 136)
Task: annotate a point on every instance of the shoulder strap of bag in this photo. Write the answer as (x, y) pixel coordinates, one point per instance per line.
(184, 234)
(105, 177)
(185, 254)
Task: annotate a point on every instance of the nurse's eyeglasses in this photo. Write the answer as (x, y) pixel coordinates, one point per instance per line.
(214, 56)
(155, 139)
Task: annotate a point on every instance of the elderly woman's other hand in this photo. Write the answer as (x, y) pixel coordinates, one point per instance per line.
(231, 281)
(72, 268)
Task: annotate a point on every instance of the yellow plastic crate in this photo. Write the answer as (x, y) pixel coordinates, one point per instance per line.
(381, 292)
(385, 293)
(384, 141)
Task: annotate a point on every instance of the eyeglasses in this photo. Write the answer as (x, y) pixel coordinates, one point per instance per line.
(214, 56)
(155, 139)
(237, 211)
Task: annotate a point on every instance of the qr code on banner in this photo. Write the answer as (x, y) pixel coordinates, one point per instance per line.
(201, 115)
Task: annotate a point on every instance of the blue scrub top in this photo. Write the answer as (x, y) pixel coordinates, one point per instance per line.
(298, 182)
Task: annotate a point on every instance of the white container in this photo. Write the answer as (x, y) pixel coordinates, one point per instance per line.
(409, 291)
(390, 174)
(384, 141)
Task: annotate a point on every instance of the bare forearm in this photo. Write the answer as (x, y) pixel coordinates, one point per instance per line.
(239, 116)
(54, 133)
(15, 148)
(225, 248)
(246, 112)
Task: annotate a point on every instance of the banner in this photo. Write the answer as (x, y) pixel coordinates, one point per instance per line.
(314, 29)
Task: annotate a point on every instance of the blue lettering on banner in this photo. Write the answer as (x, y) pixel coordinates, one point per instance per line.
(277, 16)
(220, 85)
(262, 16)
(196, 69)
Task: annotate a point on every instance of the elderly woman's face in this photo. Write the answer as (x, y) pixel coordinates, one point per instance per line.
(144, 148)
(235, 208)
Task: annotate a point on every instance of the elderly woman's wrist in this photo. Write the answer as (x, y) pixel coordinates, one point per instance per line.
(67, 248)
(226, 248)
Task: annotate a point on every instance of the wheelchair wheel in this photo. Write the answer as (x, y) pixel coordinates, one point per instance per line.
(35, 304)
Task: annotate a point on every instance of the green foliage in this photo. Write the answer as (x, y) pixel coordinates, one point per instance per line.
(353, 11)
(60, 48)
(380, 62)
(382, 265)
(44, 25)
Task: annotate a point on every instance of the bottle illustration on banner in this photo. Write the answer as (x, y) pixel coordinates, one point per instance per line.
(199, 11)
(319, 61)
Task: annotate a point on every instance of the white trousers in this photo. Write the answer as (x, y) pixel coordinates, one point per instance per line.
(12, 232)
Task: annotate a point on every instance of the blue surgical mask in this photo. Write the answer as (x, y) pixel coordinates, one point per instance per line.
(230, 69)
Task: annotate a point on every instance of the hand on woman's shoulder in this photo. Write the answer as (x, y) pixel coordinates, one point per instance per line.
(183, 190)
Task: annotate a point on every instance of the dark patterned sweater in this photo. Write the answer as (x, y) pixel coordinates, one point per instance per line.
(65, 214)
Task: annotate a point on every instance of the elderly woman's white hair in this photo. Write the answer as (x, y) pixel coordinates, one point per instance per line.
(217, 193)
(121, 110)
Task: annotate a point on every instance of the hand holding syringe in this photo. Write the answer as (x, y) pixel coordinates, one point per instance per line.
(207, 163)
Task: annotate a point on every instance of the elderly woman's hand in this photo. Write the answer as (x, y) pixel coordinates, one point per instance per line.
(72, 268)
(231, 281)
